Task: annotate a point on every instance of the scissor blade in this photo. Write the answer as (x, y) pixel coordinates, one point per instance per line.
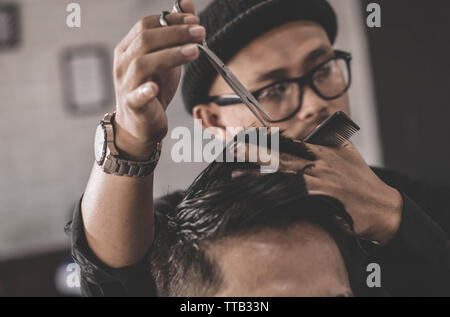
(234, 83)
(229, 77)
(244, 90)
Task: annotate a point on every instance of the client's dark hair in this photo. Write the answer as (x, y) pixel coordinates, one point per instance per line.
(218, 205)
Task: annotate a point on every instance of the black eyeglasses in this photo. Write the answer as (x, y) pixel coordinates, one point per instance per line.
(283, 99)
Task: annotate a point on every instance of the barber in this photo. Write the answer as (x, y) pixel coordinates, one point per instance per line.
(114, 225)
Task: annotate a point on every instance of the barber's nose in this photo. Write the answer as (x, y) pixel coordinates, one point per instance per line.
(313, 106)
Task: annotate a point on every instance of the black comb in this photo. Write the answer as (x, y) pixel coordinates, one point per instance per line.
(334, 131)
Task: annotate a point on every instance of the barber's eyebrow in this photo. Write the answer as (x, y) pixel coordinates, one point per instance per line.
(280, 73)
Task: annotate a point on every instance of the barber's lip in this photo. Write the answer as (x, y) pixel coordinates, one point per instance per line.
(305, 131)
(314, 125)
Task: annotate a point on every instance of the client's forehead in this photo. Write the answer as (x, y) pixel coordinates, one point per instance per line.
(303, 260)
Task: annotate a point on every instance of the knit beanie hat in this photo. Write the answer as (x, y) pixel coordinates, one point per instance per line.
(232, 24)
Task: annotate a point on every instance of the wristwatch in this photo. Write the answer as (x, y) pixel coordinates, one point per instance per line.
(108, 157)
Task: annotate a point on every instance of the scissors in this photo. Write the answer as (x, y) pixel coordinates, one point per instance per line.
(246, 97)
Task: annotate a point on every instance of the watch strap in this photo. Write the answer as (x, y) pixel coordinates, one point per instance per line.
(117, 166)
(120, 167)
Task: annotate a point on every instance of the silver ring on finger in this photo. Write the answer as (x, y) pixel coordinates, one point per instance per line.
(177, 7)
(302, 171)
(162, 18)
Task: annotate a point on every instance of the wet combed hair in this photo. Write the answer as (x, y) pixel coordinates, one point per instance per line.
(218, 205)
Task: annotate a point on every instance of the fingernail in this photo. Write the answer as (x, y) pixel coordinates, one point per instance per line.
(197, 31)
(147, 90)
(191, 20)
(189, 50)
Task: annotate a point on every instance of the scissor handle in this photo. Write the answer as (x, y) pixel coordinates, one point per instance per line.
(177, 7)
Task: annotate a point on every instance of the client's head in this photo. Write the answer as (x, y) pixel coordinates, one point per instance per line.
(241, 233)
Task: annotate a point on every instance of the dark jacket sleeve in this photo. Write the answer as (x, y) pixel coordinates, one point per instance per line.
(433, 200)
(98, 279)
(417, 261)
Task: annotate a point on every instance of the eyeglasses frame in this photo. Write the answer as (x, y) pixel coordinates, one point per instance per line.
(303, 81)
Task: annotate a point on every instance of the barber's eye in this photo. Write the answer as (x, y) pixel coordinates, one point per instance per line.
(275, 91)
(324, 72)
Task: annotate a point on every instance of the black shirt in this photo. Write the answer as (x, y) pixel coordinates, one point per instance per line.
(415, 263)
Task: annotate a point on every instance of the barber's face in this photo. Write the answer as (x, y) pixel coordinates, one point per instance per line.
(303, 261)
(288, 51)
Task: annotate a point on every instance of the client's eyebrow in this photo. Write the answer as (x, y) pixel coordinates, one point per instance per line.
(308, 61)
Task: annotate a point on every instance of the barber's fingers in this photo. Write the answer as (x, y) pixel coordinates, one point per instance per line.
(320, 151)
(315, 185)
(139, 98)
(156, 39)
(148, 65)
(152, 22)
(294, 163)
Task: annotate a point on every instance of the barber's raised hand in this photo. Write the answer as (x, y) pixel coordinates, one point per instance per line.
(147, 70)
(343, 174)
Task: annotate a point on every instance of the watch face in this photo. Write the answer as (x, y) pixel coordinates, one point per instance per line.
(100, 144)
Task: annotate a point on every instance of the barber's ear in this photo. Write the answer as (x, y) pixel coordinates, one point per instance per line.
(209, 114)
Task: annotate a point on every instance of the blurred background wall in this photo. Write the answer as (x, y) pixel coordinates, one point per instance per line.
(47, 148)
(410, 57)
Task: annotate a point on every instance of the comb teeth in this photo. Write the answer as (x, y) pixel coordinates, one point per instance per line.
(336, 130)
(344, 133)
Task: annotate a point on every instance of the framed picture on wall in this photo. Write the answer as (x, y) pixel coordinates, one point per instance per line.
(9, 25)
(87, 80)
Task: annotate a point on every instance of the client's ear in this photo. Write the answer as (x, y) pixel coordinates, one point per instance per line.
(210, 116)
